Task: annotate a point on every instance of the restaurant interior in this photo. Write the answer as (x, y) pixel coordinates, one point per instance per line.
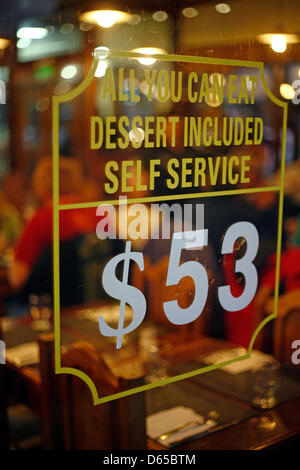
(149, 225)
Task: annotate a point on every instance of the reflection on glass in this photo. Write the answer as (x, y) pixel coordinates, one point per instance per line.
(40, 311)
(265, 384)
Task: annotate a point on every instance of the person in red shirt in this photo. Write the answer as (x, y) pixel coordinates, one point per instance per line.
(37, 233)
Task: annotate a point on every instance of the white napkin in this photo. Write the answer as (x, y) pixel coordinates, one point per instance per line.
(24, 354)
(256, 359)
(165, 421)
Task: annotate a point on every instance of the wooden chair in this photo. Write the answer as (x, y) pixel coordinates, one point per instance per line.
(51, 405)
(287, 327)
(119, 424)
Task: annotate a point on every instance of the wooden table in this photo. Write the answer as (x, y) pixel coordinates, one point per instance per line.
(249, 435)
(246, 435)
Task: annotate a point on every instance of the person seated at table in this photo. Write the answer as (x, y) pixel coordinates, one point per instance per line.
(36, 236)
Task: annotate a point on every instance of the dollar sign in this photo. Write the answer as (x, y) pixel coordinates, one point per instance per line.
(122, 291)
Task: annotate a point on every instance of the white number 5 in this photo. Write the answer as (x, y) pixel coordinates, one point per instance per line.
(244, 265)
(176, 271)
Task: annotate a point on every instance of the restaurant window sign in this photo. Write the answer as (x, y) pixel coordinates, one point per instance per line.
(175, 141)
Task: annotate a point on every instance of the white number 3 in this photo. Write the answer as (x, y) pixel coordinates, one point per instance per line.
(244, 265)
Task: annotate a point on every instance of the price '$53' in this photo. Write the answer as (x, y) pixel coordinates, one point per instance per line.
(191, 240)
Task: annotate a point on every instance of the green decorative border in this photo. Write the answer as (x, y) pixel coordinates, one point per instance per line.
(56, 100)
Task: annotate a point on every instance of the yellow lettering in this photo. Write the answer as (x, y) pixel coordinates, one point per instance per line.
(96, 122)
(109, 132)
(133, 97)
(173, 162)
(153, 172)
(111, 188)
(204, 88)
(173, 120)
(161, 126)
(148, 131)
(109, 85)
(248, 130)
(193, 77)
(123, 143)
(185, 172)
(200, 167)
(163, 86)
(245, 168)
(243, 94)
(232, 89)
(150, 78)
(207, 139)
(126, 175)
(258, 131)
(214, 166)
(232, 161)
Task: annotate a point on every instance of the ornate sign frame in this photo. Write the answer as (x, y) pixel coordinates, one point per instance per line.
(57, 208)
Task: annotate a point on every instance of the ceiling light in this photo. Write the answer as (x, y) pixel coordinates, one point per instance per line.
(134, 19)
(101, 68)
(160, 16)
(136, 135)
(278, 43)
(67, 28)
(220, 78)
(101, 52)
(287, 91)
(104, 18)
(4, 43)
(189, 12)
(85, 26)
(69, 71)
(32, 33)
(148, 51)
(222, 8)
(22, 43)
(212, 99)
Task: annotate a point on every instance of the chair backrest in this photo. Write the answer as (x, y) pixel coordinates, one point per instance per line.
(86, 426)
(286, 332)
(119, 424)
